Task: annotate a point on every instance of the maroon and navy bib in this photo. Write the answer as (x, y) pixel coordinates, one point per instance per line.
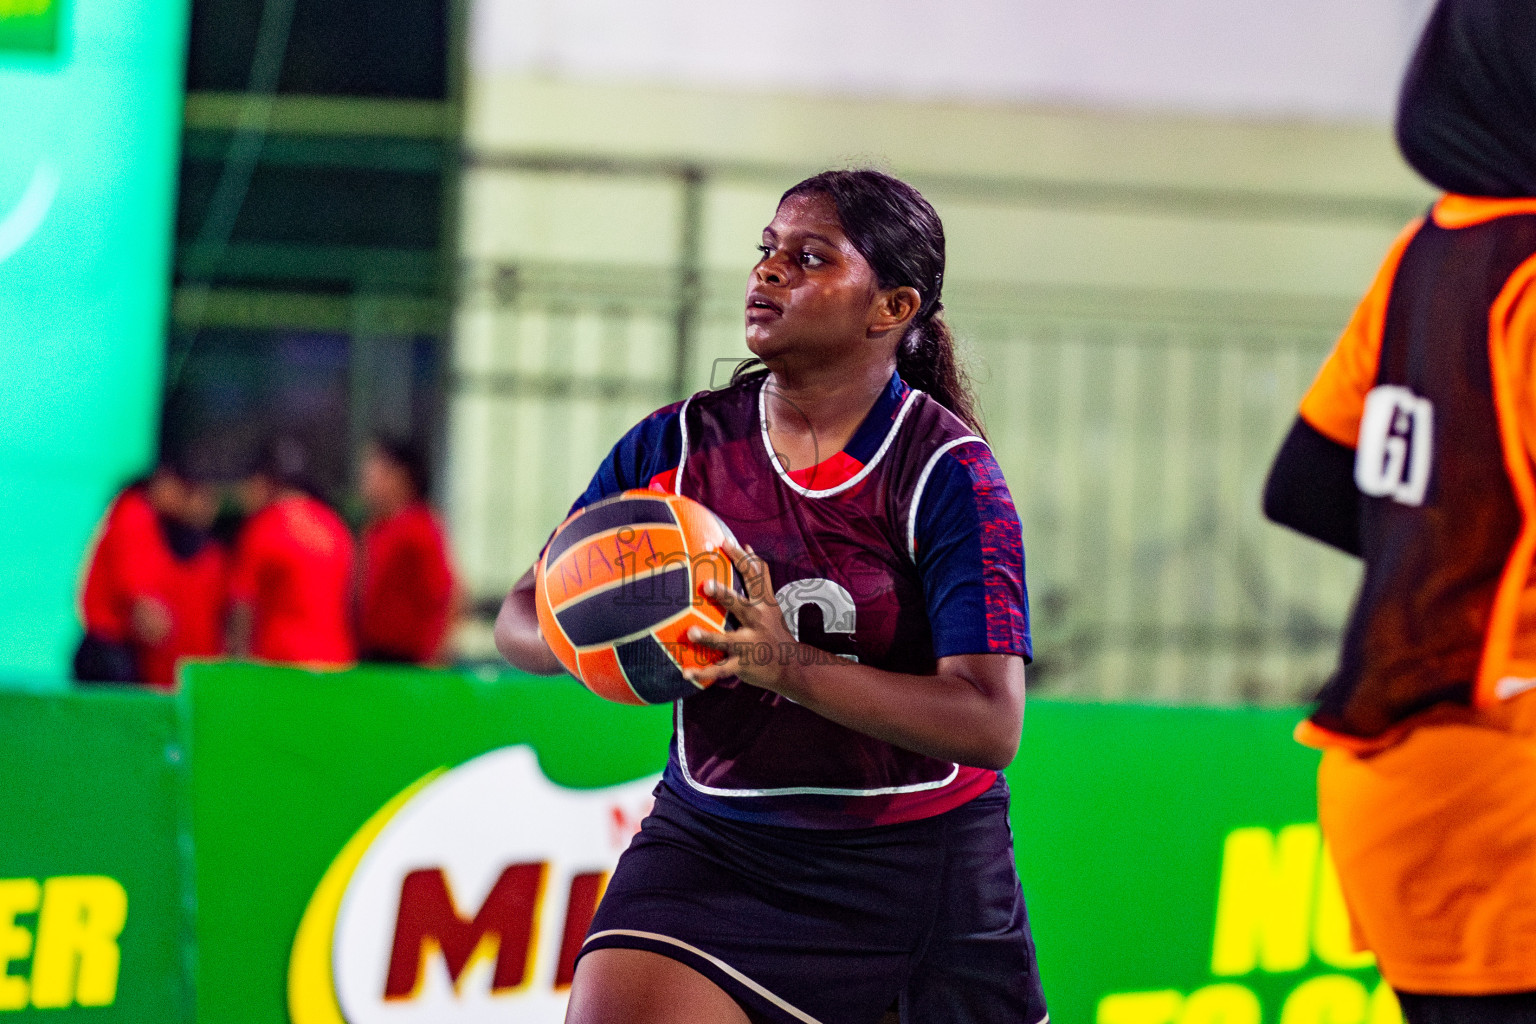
(901, 549)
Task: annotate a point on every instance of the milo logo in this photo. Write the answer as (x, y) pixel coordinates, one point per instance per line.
(29, 25)
(465, 898)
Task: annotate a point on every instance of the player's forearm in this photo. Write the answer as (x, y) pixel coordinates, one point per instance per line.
(517, 632)
(959, 714)
(1311, 488)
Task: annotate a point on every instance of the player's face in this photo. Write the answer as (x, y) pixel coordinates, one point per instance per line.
(811, 295)
(202, 506)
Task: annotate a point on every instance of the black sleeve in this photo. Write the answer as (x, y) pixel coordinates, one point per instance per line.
(1311, 488)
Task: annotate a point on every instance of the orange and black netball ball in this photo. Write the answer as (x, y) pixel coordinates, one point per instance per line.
(619, 587)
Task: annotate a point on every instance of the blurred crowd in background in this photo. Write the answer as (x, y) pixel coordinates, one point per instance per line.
(189, 566)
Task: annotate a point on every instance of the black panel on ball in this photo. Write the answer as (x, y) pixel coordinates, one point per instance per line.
(652, 673)
(608, 515)
(630, 608)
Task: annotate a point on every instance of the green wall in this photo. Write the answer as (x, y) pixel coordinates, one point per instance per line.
(89, 112)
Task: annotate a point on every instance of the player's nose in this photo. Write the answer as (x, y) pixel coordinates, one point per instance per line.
(770, 272)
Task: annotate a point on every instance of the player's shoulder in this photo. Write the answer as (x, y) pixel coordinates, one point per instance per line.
(961, 471)
(666, 414)
(131, 510)
(925, 417)
(964, 469)
(934, 438)
(656, 428)
(668, 427)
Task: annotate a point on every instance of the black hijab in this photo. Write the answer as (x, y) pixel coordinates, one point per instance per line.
(1466, 119)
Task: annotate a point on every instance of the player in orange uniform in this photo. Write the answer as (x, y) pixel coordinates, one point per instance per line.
(1414, 449)
(407, 591)
(291, 584)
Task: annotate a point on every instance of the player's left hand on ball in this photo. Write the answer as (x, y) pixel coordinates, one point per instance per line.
(760, 649)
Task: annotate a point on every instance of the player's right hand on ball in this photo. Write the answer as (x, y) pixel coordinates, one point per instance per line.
(760, 650)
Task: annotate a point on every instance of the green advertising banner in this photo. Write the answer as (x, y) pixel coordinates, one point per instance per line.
(91, 919)
(90, 107)
(402, 846)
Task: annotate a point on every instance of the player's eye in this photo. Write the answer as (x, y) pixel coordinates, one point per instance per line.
(810, 259)
(766, 250)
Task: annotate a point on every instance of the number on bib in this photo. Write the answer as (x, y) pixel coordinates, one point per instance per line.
(1396, 448)
(838, 612)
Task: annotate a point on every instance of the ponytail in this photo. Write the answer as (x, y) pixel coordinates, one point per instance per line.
(926, 359)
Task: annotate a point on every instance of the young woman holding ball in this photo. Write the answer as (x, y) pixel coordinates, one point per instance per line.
(830, 840)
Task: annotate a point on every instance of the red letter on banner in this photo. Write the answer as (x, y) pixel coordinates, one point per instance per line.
(428, 917)
(586, 890)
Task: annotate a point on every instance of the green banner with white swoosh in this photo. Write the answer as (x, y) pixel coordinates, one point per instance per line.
(90, 105)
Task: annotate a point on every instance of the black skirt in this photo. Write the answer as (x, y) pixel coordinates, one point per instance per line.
(835, 926)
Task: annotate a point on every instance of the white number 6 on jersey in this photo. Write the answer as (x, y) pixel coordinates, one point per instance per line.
(838, 612)
(1396, 448)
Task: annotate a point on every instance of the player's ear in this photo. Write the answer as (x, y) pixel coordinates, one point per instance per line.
(894, 309)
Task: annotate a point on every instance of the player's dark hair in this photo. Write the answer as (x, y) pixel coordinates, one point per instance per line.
(285, 461)
(900, 236)
(409, 456)
(1467, 109)
(188, 464)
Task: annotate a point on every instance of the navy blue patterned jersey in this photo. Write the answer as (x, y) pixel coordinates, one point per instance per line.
(897, 551)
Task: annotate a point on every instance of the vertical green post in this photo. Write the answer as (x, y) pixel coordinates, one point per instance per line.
(690, 277)
(90, 111)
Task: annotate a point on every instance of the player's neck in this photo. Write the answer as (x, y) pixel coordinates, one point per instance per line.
(813, 415)
(390, 505)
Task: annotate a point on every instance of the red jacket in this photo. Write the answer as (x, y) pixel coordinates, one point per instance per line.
(132, 560)
(406, 597)
(129, 554)
(293, 567)
(196, 592)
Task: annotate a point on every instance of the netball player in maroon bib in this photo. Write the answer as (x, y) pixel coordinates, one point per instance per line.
(830, 839)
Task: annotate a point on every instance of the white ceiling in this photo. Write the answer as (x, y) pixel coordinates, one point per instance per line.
(1308, 58)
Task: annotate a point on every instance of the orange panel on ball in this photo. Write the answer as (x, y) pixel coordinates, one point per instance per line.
(549, 626)
(610, 558)
(702, 527)
(602, 674)
(673, 635)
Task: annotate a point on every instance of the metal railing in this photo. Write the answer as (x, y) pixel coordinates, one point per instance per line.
(1134, 431)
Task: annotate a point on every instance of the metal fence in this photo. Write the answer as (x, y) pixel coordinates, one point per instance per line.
(1134, 432)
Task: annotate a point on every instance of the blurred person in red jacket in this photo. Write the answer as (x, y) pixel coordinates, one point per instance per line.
(154, 590)
(193, 586)
(116, 603)
(407, 594)
(290, 585)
